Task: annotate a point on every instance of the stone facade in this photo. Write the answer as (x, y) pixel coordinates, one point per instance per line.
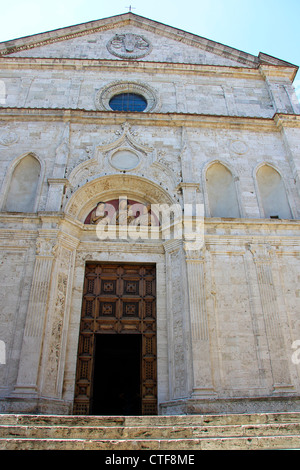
(228, 312)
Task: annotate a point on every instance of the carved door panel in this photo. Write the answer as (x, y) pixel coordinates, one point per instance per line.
(117, 299)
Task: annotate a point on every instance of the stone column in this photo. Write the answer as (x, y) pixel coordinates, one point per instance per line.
(262, 256)
(202, 374)
(27, 382)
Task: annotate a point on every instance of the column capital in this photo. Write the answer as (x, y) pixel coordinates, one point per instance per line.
(194, 256)
(46, 247)
(185, 185)
(262, 252)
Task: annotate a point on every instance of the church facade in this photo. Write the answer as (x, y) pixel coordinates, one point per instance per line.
(149, 224)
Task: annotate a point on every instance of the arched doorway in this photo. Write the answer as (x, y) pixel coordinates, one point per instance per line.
(98, 327)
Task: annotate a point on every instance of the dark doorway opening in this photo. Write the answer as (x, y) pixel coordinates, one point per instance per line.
(117, 375)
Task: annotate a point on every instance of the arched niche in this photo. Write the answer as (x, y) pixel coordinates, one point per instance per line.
(272, 193)
(121, 211)
(221, 192)
(24, 181)
(111, 187)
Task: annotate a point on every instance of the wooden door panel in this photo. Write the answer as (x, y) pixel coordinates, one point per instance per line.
(117, 299)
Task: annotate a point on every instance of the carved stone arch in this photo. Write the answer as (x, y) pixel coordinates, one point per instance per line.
(223, 200)
(271, 191)
(82, 172)
(29, 203)
(266, 163)
(110, 187)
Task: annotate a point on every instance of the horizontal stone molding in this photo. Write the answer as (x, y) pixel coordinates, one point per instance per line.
(113, 65)
(83, 116)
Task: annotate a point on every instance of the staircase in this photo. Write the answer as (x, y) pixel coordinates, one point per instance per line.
(218, 432)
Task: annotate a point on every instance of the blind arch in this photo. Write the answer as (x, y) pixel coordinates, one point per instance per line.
(222, 196)
(21, 195)
(272, 192)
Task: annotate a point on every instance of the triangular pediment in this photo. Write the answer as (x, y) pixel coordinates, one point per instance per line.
(130, 37)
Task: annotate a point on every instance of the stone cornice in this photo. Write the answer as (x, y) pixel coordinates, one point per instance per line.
(58, 181)
(40, 63)
(255, 72)
(58, 35)
(195, 186)
(287, 120)
(221, 235)
(274, 71)
(81, 116)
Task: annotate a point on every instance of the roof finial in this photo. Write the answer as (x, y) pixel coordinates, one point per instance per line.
(130, 8)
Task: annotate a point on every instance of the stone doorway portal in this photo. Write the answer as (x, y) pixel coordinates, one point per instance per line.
(117, 331)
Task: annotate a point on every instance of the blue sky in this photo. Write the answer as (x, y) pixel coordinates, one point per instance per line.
(253, 26)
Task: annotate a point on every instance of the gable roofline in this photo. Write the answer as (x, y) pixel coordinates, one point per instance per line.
(70, 32)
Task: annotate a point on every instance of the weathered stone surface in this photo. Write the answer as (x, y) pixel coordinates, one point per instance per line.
(150, 433)
(228, 326)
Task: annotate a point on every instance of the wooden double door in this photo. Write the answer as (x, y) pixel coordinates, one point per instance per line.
(117, 363)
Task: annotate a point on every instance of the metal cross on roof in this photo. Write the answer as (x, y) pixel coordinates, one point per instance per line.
(130, 8)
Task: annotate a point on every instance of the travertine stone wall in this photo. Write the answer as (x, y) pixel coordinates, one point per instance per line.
(71, 151)
(196, 94)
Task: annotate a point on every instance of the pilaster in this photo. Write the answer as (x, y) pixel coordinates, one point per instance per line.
(55, 193)
(202, 372)
(289, 126)
(282, 93)
(27, 382)
(56, 329)
(180, 363)
(58, 182)
(262, 256)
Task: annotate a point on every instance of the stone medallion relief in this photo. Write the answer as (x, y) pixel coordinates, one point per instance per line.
(124, 160)
(129, 46)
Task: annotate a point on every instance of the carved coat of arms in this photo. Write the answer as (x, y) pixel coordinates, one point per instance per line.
(129, 46)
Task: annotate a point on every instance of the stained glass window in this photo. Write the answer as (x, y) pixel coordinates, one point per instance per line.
(130, 102)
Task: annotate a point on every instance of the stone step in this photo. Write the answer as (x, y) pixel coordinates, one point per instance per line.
(230, 443)
(131, 421)
(142, 432)
(252, 431)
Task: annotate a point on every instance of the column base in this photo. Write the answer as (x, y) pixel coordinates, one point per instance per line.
(35, 406)
(202, 393)
(217, 406)
(25, 391)
(283, 388)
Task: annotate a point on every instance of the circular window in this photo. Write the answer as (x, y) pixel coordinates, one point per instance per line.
(127, 96)
(130, 102)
